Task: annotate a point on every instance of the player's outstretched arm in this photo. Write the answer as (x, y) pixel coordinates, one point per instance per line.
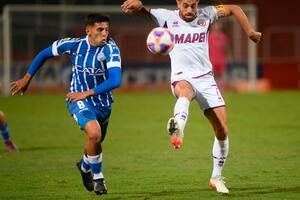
(134, 6)
(242, 19)
(21, 85)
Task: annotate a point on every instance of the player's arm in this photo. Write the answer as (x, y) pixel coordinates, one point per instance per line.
(135, 6)
(113, 81)
(21, 85)
(240, 16)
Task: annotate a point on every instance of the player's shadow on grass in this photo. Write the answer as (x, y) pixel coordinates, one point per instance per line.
(234, 192)
(247, 191)
(41, 148)
(165, 193)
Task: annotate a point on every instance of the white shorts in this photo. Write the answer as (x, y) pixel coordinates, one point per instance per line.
(207, 92)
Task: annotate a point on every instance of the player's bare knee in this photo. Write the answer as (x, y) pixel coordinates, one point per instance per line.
(184, 89)
(94, 136)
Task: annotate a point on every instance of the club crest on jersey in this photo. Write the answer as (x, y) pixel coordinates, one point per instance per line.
(101, 57)
(201, 22)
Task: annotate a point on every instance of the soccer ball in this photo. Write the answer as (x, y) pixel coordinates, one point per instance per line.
(160, 41)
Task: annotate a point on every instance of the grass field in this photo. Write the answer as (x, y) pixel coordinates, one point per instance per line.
(139, 162)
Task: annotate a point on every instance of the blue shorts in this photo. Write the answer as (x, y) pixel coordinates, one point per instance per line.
(83, 112)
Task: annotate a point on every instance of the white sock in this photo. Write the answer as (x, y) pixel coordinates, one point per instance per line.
(181, 111)
(96, 166)
(220, 152)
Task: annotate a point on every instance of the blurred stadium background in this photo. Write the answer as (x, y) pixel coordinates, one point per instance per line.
(29, 26)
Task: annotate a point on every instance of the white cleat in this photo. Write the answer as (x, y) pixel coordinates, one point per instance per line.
(175, 133)
(217, 183)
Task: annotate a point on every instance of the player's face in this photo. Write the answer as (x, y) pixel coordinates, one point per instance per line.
(187, 9)
(98, 33)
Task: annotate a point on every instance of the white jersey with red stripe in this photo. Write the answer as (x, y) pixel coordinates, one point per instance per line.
(190, 55)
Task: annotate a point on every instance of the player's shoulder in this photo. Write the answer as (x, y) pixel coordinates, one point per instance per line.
(207, 11)
(162, 11)
(67, 42)
(111, 41)
(111, 45)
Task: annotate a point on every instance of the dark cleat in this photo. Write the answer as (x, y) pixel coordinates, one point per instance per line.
(175, 133)
(100, 187)
(87, 178)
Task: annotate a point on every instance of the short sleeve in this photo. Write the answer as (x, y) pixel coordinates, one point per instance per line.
(211, 12)
(63, 46)
(112, 54)
(160, 15)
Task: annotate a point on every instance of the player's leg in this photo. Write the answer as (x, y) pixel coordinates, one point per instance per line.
(94, 155)
(218, 119)
(184, 92)
(82, 114)
(9, 144)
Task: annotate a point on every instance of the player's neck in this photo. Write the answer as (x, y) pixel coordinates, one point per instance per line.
(187, 20)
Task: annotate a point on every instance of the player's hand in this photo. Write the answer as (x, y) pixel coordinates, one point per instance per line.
(255, 36)
(130, 6)
(20, 86)
(77, 96)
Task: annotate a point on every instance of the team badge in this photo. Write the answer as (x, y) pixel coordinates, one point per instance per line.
(100, 57)
(201, 22)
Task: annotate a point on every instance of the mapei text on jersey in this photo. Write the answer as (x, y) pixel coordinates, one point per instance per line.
(190, 38)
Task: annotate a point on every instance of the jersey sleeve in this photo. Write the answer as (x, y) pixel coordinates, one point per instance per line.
(211, 12)
(160, 15)
(112, 54)
(63, 46)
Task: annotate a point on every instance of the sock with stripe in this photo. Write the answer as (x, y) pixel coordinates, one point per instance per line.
(220, 152)
(181, 111)
(5, 132)
(96, 166)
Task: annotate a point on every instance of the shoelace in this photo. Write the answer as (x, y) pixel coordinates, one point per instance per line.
(220, 178)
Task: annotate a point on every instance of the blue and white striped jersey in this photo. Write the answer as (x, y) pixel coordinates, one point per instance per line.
(89, 65)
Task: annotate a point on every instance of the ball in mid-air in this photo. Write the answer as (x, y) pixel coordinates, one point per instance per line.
(160, 41)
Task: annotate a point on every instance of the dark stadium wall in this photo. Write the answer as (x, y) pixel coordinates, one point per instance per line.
(279, 22)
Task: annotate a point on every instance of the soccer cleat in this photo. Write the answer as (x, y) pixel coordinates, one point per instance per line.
(100, 187)
(217, 183)
(175, 133)
(87, 178)
(10, 146)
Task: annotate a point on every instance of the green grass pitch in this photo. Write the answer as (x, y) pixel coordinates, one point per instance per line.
(139, 162)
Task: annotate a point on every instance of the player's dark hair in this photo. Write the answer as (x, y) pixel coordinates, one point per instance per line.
(94, 18)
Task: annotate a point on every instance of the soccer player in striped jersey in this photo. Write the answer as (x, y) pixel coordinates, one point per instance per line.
(9, 144)
(191, 70)
(96, 70)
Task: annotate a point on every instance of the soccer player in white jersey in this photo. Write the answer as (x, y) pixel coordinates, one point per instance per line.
(192, 76)
(96, 70)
